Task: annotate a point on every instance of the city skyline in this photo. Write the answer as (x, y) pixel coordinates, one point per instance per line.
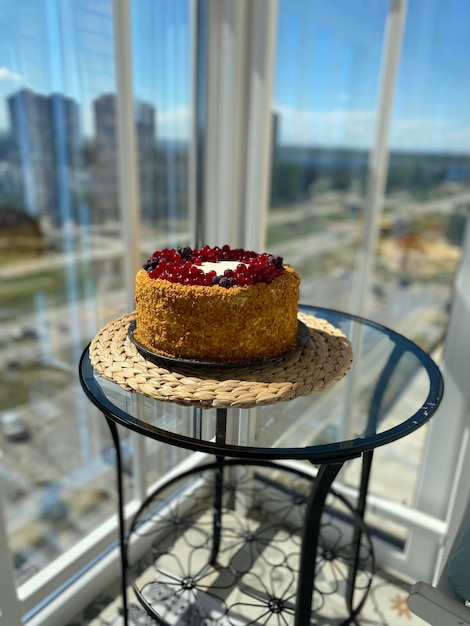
(51, 171)
(327, 67)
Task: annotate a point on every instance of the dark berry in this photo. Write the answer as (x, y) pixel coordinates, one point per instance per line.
(277, 262)
(151, 264)
(185, 253)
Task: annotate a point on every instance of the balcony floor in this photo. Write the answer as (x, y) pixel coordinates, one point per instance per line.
(253, 579)
(386, 605)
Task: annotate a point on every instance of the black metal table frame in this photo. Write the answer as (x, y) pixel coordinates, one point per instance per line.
(311, 528)
(315, 506)
(331, 460)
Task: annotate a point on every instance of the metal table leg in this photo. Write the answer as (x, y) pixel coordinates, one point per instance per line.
(220, 436)
(217, 519)
(315, 505)
(122, 530)
(358, 530)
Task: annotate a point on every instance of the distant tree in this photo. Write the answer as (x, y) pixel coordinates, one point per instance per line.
(290, 182)
(341, 179)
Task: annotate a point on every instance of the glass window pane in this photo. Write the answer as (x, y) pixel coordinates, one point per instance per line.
(426, 202)
(325, 107)
(61, 247)
(162, 84)
(161, 67)
(56, 59)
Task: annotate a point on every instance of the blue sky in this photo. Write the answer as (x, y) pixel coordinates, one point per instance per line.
(327, 68)
(328, 73)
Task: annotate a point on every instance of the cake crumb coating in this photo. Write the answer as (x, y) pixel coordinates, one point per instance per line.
(215, 324)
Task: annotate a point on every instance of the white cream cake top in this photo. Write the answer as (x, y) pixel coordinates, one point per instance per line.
(219, 267)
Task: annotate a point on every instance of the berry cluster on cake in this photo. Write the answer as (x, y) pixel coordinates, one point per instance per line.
(221, 305)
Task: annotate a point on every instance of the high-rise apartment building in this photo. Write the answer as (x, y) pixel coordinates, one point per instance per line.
(105, 170)
(46, 138)
(105, 183)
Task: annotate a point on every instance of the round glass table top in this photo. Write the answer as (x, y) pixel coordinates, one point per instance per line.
(391, 389)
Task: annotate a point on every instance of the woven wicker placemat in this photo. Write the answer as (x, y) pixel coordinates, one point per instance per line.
(325, 359)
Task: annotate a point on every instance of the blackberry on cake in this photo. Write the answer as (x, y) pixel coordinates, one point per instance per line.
(217, 304)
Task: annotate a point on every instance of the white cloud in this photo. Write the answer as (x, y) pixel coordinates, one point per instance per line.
(337, 127)
(424, 133)
(174, 123)
(355, 128)
(8, 75)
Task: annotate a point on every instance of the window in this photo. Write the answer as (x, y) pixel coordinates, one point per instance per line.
(63, 252)
(64, 245)
(327, 113)
(326, 87)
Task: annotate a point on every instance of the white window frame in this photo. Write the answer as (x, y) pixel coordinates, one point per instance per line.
(10, 610)
(443, 489)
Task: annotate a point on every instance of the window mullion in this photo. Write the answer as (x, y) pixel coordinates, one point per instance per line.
(224, 95)
(10, 611)
(128, 181)
(378, 160)
(235, 108)
(128, 189)
(443, 488)
(258, 126)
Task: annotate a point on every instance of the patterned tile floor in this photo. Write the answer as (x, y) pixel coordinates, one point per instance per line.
(386, 605)
(253, 579)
